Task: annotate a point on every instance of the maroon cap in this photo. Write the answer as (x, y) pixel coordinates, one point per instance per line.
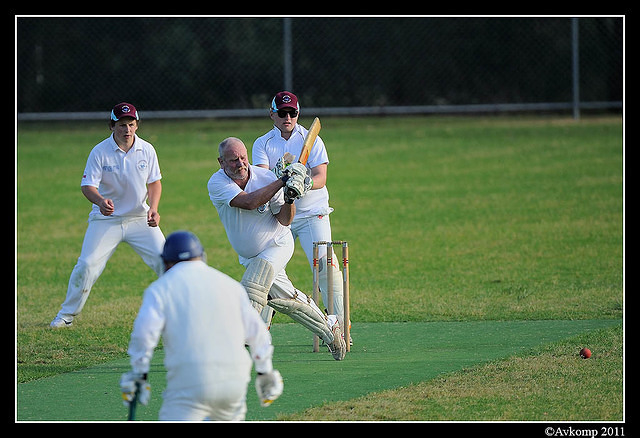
(124, 109)
(284, 99)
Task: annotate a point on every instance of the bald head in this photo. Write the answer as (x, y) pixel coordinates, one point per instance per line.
(233, 159)
(230, 143)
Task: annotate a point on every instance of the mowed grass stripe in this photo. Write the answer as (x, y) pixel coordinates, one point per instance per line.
(385, 356)
(551, 383)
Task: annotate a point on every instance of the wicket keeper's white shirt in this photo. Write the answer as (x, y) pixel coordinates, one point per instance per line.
(269, 148)
(205, 319)
(249, 231)
(122, 176)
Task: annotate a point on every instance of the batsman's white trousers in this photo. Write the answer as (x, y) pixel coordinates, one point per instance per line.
(278, 255)
(314, 229)
(222, 401)
(100, 242)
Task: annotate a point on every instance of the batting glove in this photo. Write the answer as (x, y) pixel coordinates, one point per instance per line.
(297, 186)
(280, 167)
(269, 387)
(297, 169)
(134, 386)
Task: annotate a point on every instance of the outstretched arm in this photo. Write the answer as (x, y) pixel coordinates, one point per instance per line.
(253, 200)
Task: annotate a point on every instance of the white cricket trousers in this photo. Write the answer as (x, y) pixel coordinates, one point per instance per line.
(100, 242)
(222, 401)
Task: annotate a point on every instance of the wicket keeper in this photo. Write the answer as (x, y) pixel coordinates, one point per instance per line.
(311, 222)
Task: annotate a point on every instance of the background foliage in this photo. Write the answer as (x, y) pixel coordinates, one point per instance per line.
(189, 63)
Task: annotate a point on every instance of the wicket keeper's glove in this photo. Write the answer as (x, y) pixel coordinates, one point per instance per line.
(134, 384)
(281, 165)
(269, 386)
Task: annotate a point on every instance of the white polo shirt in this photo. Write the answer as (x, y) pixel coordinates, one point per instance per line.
(122, 177)
(269, 148)
(249, 231)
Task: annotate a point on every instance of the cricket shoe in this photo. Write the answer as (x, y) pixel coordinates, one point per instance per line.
(338, 348)
(58, 322)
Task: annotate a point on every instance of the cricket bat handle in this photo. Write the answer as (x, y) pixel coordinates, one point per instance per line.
(133, 404)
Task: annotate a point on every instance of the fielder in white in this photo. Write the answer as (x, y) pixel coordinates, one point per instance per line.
(122, 181)
(205, 319)
(256, 215)
(311, 222)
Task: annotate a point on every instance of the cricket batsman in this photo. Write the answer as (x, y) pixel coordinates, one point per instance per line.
(256, 212)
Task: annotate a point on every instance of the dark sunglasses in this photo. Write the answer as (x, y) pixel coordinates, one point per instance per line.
(283, 113)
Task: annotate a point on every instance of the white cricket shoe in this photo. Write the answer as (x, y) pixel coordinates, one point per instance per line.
(338, 348)
(58, 322)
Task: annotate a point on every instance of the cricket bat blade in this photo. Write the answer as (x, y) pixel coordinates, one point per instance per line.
(309, 140)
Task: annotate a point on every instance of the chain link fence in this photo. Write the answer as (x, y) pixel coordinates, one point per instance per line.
(233, 66)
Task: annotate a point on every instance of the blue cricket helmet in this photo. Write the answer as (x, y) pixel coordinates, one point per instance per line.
(180, 246)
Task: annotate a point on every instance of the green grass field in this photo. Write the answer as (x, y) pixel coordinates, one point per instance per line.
(450, 220)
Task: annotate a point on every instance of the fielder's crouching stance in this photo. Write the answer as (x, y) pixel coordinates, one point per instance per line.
(122, 180)
(205, 320)
(256, 214)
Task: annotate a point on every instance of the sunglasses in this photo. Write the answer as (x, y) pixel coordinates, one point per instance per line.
(283, 113)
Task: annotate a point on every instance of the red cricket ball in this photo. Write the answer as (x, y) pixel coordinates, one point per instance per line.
(585, 353)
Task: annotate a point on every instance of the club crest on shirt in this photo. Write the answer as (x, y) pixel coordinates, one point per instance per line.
(142, 165)
(263, 208)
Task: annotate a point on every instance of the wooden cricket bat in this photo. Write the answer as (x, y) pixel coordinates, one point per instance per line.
(309, 141)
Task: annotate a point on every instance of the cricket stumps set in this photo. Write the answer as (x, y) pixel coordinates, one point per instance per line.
(345, 284)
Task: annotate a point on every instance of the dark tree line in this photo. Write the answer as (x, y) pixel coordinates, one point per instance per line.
(88, 63)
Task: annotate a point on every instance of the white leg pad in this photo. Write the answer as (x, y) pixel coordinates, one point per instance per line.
(257, 280)
(306, 315)
(267, 315)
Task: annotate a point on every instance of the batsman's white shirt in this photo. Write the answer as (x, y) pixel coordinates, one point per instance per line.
(249, 231)
(269, 148)
(205, 318)
(122, 176)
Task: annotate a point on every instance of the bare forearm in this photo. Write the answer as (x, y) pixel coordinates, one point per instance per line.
(253, 200)
(94, 196)
(154, 192)
(286, 214)
(319, 176)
